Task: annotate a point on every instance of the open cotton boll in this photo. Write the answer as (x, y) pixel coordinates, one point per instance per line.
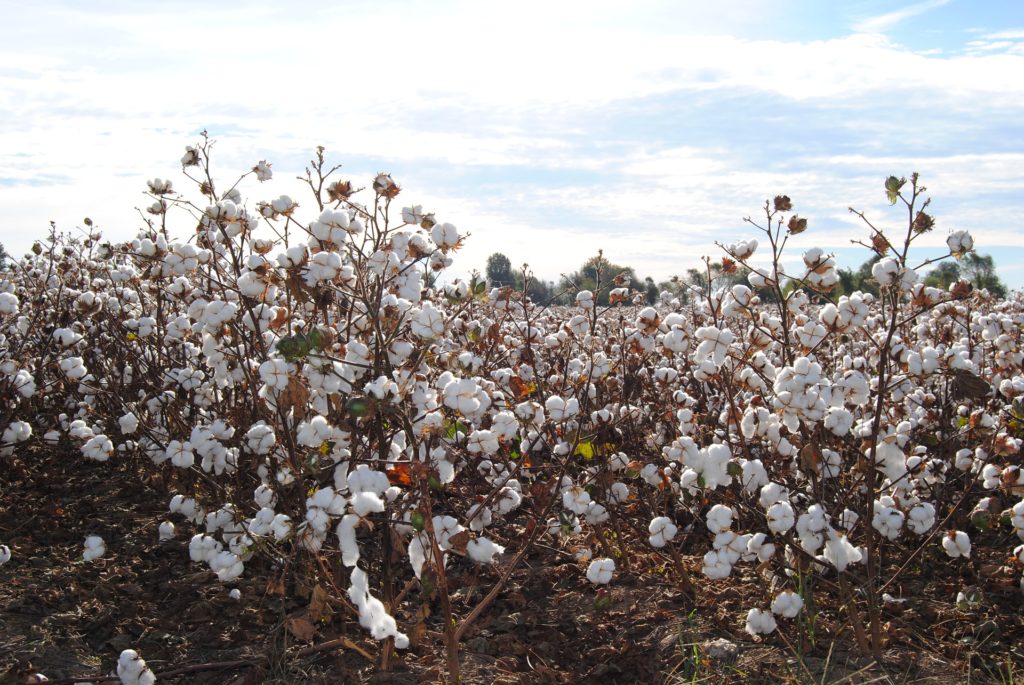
(719, 518)
(957, 544)
(95, 548)
(364, 503)
(5, 554)
(235, 594)
(787, 604)
(600, 571)
(716, 564)
(227, 565)
(662, 531)
(840, 552)
(760, 622)
(166, 531)
(204, 547)
(482, 550)
(372, 614)
(132, 669)
(347, 539)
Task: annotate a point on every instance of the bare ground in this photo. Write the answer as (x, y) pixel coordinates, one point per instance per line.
(69, 619)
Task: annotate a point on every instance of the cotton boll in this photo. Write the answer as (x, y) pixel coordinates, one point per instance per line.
(760, 622)
(483, 550)
(235, 594)
(227, 565)
(600, 571)
(364, 503)
(957, 544)
(787, 604)
(132, 670)
(5, 554)
(372, 613)
(166, 531)
(95, 548)
(347, 539)
(840, 552)
(204, 547)
(716, 564)
(780, 516)
(662, 531)
(719, 518)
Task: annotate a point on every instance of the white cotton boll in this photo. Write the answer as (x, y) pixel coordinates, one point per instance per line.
(887, 519)
(787, 604)
(840, 552)
(227, 565)
(364, 503)
(129, 423)
(281, 527)
(758, 547)
(95, 548)
(5, 554)
(717, 565)
(662, 531)
(596, 514)
(600, 571)
(483, 550)
(760, 622)
(780, 516)
(921, 518)
(166, 531)
(203, 548)
(132, 670)
(235, 594)
(347, 539)
(372, 614)
(576, 499)
(957, 544)
(719, 518)
(264, 496)
(772, 493)
(364, 479)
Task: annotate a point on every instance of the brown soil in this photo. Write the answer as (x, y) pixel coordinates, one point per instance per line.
(69, 619)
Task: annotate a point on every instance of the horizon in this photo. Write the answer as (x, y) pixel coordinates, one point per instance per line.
(547, 133)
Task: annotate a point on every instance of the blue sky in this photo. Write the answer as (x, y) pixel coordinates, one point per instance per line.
(547, 130)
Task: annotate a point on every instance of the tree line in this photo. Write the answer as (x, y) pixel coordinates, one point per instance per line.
(603, 277)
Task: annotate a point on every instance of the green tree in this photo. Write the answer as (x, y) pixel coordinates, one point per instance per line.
(943, 275)
(598, 270)
(980, 270)
(499, 270)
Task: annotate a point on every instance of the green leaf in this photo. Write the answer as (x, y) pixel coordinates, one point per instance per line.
(357, 406)
(892, 188)
(417, 520)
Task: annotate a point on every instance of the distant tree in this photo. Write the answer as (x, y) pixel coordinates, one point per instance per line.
(651, 290)
(861, 279)
(943, 275)
(499, 270)
(980, 270)
(599, 271)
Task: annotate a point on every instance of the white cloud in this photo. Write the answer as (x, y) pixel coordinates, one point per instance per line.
(883, 22)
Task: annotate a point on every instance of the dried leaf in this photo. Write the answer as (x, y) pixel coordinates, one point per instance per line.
(301, 628)
(319, 605)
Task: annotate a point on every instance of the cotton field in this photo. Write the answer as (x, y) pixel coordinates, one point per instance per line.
(307, 393)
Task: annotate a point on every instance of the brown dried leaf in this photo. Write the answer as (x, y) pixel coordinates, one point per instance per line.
(301, 628)
(319, 605)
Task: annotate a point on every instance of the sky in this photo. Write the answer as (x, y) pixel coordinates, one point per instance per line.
(545, 130)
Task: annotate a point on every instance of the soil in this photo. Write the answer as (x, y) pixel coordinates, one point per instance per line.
(69, 619)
